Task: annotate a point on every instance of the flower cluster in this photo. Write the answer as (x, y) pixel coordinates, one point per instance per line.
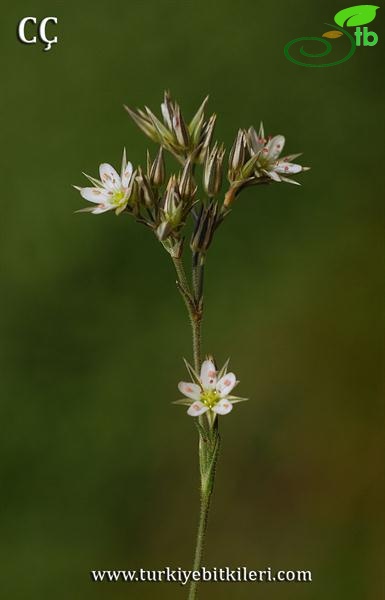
(209, 392)
(164, 203)
(174, 134)
(256, 159)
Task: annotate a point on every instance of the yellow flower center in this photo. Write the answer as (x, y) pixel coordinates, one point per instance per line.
(209, 397)
(117, 198)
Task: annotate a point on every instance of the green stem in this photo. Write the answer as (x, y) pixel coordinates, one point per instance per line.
(208, 456)
(203, 519)
(196, 322)
(182, 282)
(197, 279)
(209, 441)
(194, 311)
(197, 274)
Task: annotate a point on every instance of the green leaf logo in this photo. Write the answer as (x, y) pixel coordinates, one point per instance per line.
(356, 15)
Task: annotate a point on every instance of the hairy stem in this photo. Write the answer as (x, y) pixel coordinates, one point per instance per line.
(183, 284)
(203, 518)
(208, 456)
(208, 436)
(194, 311)
(197, 280)
(198, 274)
(196, 341)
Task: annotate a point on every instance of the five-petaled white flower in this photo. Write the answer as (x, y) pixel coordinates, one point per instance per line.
(267, 152)
(210, 392)
(112, 191)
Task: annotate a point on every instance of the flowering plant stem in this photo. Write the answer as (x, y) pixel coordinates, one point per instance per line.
(165, 203)
(209, 440)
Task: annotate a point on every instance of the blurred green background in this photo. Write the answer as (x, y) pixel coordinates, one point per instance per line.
(98, 469)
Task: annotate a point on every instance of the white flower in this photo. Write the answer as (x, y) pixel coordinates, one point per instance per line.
(267, 152)
(209, 392)
(112, 191)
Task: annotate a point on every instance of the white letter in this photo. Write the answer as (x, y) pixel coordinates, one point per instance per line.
(42, 34)
(21, 30)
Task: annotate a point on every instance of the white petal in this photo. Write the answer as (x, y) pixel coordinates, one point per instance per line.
(126, 175)
(226, 384)
(109, 177)
(197, 409)
(208, 375)
(102, 208)
(223, 407)
(273, 175)
(191, 390)
(291, 157)
(94, 194)
(288, 168)
(275, 146)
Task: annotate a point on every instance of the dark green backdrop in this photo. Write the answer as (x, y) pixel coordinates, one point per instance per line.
(98, 469)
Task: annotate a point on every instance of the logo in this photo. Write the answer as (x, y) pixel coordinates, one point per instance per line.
(355, 16)
(41, 31)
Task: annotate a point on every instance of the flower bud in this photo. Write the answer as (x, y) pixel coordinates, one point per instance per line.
(165, 137)
(237, 154)
(157, 170)
(206, 223)
(172, 205)
(186, 184)
(180, 129)
(196, 123)
(212, 174)
(145, 190)
(171, 213)
(205, 139)
(167, 110)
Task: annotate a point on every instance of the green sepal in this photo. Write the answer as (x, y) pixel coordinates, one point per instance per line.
(183, 402)
(236, 399)
(223, 370)
(194, 376)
